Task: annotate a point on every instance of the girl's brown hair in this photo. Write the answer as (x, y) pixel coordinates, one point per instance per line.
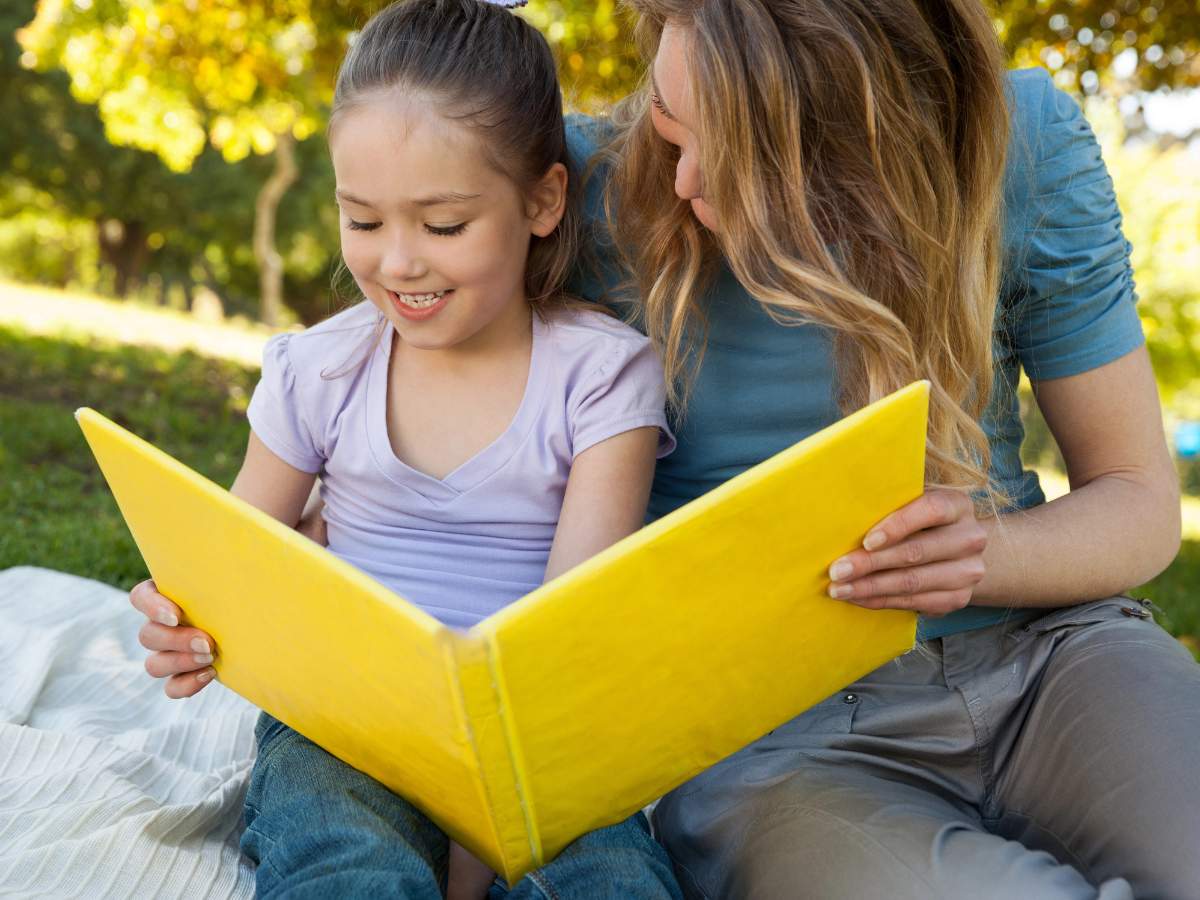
(492, 71)
(853, 153)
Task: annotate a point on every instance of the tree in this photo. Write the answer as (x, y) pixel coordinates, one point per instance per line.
(170, 77)
(1079, 40)
(593, 44)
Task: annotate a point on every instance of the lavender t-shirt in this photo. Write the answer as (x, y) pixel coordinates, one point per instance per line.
(464, 546)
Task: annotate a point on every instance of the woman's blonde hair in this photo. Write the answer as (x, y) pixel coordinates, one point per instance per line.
(853, 153)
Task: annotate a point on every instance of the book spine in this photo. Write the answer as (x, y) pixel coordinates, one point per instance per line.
(517, 849)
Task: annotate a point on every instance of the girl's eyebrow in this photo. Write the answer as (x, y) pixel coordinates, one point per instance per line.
(431, 200)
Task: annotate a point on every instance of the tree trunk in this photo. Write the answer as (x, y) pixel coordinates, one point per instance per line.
(123, 246)
(270, 264)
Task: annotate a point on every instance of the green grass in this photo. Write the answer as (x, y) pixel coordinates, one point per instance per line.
(56, 508)
(58, 512)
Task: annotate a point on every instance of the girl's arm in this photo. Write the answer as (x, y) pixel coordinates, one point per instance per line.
(267, 482)
(184, 655)
(606, 497)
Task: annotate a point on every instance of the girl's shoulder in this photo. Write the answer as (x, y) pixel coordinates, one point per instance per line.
(318, 365)
(591, 351)
(589, 337)
(335, 340)
(610, 376)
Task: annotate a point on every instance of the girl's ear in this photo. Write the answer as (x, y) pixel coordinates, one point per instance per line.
(547, 201)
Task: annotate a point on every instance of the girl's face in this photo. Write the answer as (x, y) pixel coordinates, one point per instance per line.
(434, 236)
(673, 117)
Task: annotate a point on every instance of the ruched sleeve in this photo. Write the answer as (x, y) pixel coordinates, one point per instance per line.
(625, 392)
(277, 414)
(1072, 299)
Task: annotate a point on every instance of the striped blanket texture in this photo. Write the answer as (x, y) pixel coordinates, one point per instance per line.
(107, 788)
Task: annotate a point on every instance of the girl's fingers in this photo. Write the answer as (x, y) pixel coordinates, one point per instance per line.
(154, 606)
(189, 683)
(930, 510)
(153, 636)
(164, 663)
(954, 575)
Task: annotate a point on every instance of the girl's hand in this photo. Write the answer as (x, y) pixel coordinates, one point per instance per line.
(181, 655)
(926, 556)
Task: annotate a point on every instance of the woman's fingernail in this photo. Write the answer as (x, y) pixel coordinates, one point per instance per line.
(203, 659)
(840, 570)
(874, 539)
(166, 617)
(206, 675)
(200, 645)
(840, 591)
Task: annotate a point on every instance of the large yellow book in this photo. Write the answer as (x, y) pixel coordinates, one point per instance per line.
(584, 700)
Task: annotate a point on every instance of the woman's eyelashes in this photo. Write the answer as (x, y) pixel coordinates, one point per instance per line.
(440, 230)
(659, 105)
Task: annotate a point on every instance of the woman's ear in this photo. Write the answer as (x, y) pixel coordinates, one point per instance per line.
(548, 201)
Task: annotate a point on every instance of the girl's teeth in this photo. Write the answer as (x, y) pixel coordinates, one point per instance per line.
(420, 301)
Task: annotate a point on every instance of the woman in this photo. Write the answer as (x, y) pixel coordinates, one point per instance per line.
(824, 201)
(860, 183)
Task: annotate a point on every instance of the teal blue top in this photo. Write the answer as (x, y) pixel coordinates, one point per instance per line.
(1067, 305)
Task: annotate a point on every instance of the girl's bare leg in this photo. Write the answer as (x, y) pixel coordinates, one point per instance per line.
(469, 878)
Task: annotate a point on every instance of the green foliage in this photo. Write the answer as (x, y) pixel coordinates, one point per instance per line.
(1158, 188)
(41, 242)
(169, 76)
(57, 509)
(593, 45)
(66, 182)
(1078, 40)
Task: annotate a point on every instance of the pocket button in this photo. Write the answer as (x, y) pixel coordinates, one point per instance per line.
(850, 698)
(1135, 612)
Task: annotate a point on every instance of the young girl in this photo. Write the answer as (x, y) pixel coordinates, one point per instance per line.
(475, 431)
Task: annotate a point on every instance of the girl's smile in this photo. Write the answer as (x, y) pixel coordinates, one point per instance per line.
(417, 307)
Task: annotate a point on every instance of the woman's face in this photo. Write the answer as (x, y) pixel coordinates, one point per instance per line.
(674, 118)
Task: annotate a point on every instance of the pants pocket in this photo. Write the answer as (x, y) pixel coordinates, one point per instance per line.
(1110, 609)
(832, 716)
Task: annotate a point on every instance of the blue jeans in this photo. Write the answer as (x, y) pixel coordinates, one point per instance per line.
(319, 828)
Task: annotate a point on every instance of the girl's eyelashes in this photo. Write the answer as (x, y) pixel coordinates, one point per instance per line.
(441, 231)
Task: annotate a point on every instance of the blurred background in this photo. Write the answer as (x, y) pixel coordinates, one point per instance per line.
(166, 203)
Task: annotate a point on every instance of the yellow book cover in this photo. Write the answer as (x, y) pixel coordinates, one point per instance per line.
(583, 701)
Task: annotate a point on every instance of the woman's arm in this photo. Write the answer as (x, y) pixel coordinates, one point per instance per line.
(1118, 527)
(606, 496)
(1120, 524)
(184, 655)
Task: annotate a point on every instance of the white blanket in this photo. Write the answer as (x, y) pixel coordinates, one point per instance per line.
(107, 788)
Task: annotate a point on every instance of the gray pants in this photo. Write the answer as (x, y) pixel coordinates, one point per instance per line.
(1055, 759)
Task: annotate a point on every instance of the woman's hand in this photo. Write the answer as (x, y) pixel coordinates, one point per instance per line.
(180, 654)
(926, 556)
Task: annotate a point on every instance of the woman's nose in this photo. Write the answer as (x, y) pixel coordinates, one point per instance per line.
(687, 178)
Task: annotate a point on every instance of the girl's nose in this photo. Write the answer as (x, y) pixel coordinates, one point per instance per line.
(403, 263)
